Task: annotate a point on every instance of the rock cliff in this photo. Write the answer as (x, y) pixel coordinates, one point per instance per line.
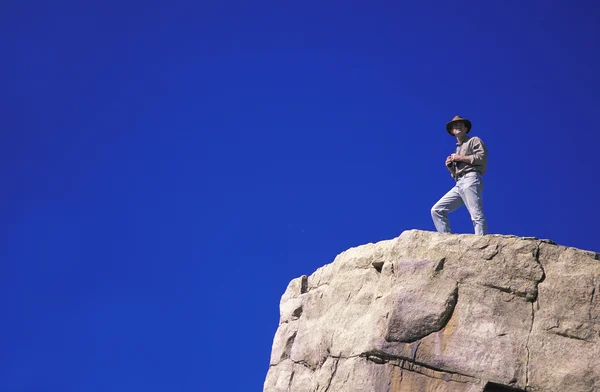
(437, 312)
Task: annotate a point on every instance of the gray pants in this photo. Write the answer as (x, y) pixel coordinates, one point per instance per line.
(467, 191)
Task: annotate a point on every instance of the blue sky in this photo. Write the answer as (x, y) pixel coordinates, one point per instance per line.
(168, 167)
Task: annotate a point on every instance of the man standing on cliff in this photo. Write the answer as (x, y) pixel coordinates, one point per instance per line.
(467, 166)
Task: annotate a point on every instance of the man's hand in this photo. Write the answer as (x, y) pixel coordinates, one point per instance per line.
(459, 158)
(449, 166)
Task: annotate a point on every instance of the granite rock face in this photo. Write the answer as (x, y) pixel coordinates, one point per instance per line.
(438, 312)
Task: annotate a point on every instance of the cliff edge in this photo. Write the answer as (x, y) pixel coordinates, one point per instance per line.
(438, 312)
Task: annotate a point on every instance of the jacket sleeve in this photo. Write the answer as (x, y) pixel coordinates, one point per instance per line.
(479, 156)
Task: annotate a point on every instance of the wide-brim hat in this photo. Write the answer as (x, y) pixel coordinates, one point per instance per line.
(457, 119)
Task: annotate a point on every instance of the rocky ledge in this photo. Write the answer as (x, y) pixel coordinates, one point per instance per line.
(437, 312)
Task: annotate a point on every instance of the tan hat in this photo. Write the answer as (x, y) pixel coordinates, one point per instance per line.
(457, 119)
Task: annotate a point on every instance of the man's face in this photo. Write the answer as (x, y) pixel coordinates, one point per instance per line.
(459, 129)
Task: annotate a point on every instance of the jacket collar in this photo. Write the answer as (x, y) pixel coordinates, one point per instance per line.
(466, 139)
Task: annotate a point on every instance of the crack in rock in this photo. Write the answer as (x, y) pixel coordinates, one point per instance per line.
(534, 302)
(529, 295)
(494, 387)
(309, 289)
(291, 380)
(527, 345)
(335, 366)
(567, 335)
(305, 364)
(504, 289)
(536, 256)
(592, 300)
(417, 367)
(414, 353)
(537, 259)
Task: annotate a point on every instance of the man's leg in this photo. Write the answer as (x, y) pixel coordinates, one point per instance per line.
(471, 187)
(450, 202)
